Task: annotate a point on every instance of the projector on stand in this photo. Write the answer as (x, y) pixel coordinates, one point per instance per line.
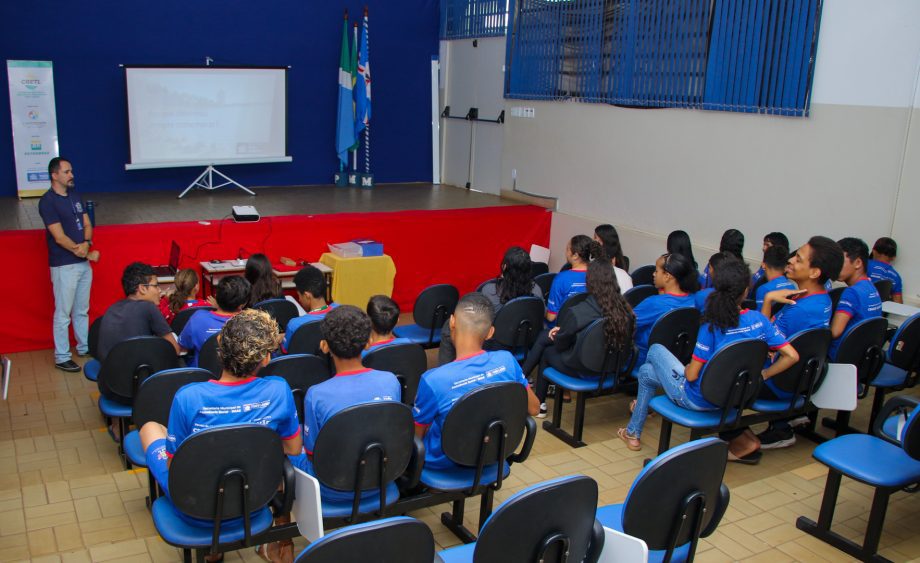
(245, 214)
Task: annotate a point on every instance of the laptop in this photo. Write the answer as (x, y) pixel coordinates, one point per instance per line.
(173, 266)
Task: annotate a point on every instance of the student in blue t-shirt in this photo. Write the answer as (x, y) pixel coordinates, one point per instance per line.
(384, 314)
(578, 252)
(311, 292)
(774, 266)
(245, 342)
(769, 239)
(441, 387)
(884, 251)
(699, 298)
(346, 330)
(679, 243)
(723, 323)
(732, 242)
(676, 279)
(232, 296)
(860, 300)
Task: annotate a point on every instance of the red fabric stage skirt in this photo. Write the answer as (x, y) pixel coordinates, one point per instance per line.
(459, 246)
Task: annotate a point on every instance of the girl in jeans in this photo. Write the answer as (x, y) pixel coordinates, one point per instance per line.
(723, 322)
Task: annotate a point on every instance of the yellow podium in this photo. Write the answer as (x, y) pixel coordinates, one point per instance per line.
(356, 280)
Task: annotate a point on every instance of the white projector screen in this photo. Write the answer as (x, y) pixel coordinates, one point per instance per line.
(198, 116)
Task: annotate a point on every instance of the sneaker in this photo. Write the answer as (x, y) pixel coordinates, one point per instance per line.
(83, 354)
(69, 365)
(799, 421)
(775, 438)
(542, 413)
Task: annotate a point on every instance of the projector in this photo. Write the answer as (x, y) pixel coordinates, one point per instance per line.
(245, 213)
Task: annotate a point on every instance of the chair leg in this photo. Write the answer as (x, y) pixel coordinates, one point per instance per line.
(187, 556)
(579, 417)
(841, 424)
(485, 506)
(808, 431)
(454, 522)
(555, 427)
(664, 439)
(123, 431)
(876, 520)
(878, 401)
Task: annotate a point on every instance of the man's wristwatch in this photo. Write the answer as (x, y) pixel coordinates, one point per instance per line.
(89, 241)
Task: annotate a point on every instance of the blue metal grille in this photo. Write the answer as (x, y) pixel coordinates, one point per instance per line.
(734, 55)
(463, 19)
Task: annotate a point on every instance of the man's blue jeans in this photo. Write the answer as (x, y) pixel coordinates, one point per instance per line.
(71, 300)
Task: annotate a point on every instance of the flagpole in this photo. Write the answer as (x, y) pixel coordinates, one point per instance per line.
(367, 126)
(354, 153)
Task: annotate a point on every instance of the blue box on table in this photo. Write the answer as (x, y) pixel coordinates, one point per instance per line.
(369, 247)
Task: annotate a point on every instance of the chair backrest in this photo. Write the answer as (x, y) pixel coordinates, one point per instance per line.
(244, 461)
(639, 293)
(538, 268)
(544, 281)
(301, 371)
(182, 317)
(678, 496)
(862, 345)
(434, 305)
(280, 309)
(571, 301)
(910, 435)
(208, 357)
(132, 361)
(884, 289)
(306, 338)
(904, 350)
(835, 294)
(643, 275)
(731, 379)
(595, 357)
(804, 377)
(400, 539)
(92, 338)
(155, 395)
(676, 330)
(541, 523)
(519, 321)
(488, 281)
(364, 446)
(406, 361)
(485, 425)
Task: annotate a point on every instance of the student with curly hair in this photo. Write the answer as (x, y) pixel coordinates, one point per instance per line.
(183, 296)
(723, 322)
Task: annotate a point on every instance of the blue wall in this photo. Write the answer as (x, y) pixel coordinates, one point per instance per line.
(88, 40)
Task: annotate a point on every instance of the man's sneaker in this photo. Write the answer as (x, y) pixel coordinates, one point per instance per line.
(69, 365)
(799, 421)
(774, 438)
(542, 413)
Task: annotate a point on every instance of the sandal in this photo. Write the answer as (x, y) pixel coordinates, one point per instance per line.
(752, 458)
(277, 552)
(631, 442)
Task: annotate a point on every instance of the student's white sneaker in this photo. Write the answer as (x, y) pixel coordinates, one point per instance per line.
(542, 413)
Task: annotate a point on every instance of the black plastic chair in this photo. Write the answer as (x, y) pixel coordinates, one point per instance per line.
(152, 404)
(884, 289)
(835, 294)
(861, 346)
(93, 365)
(399, 539)
(676, 330)
(306, 338)
(643, 275)
(360, 448)
(639, 293)
(488, 281)
(538, 268)
(219, 474)
(676, 499)
(406, 361)
(182, 317)
(280, 309)
(208, 357)
(572, 300)
(432, 308)
(544, 281)
(518, 323)
(301, 371)
(603, 368)
(730, 381)
(901, 366)
(549, 521)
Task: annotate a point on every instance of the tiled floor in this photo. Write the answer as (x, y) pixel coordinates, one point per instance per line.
(65, 497)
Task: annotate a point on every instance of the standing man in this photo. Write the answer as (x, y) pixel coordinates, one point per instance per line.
(69, 234)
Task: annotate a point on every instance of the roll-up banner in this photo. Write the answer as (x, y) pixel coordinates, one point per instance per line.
(35, 136)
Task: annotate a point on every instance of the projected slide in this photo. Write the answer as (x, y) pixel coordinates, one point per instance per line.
(201, 116)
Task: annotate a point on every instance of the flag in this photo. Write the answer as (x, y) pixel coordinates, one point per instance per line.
(363, 85)
(344, 131)
(353, 61)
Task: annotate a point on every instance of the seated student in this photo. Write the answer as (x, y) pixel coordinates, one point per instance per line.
(137, 314)
(441, 387)
(265, 284)
(608, 237)
(699, 298)
(384, 314)
(676, 281)
(515, 281)
(679, 243)
(311, 292)
(860, 300)
(232, 296)
(733, 243)
(346, 330)
(246, 342)
(604, 302)
(770, 239)
(579, 251)
(774, 266)
(884, 252)
(724, 322)
(183, 296)
(817, 261)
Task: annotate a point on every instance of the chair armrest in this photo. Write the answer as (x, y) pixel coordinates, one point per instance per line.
(895, 404)
(416, 462)
(596, 545)
(283, 501)
(529, 437)
(718, 511)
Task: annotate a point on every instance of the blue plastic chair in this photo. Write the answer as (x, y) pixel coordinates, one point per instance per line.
(432, 308)
(391, 540)
(902, 363)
